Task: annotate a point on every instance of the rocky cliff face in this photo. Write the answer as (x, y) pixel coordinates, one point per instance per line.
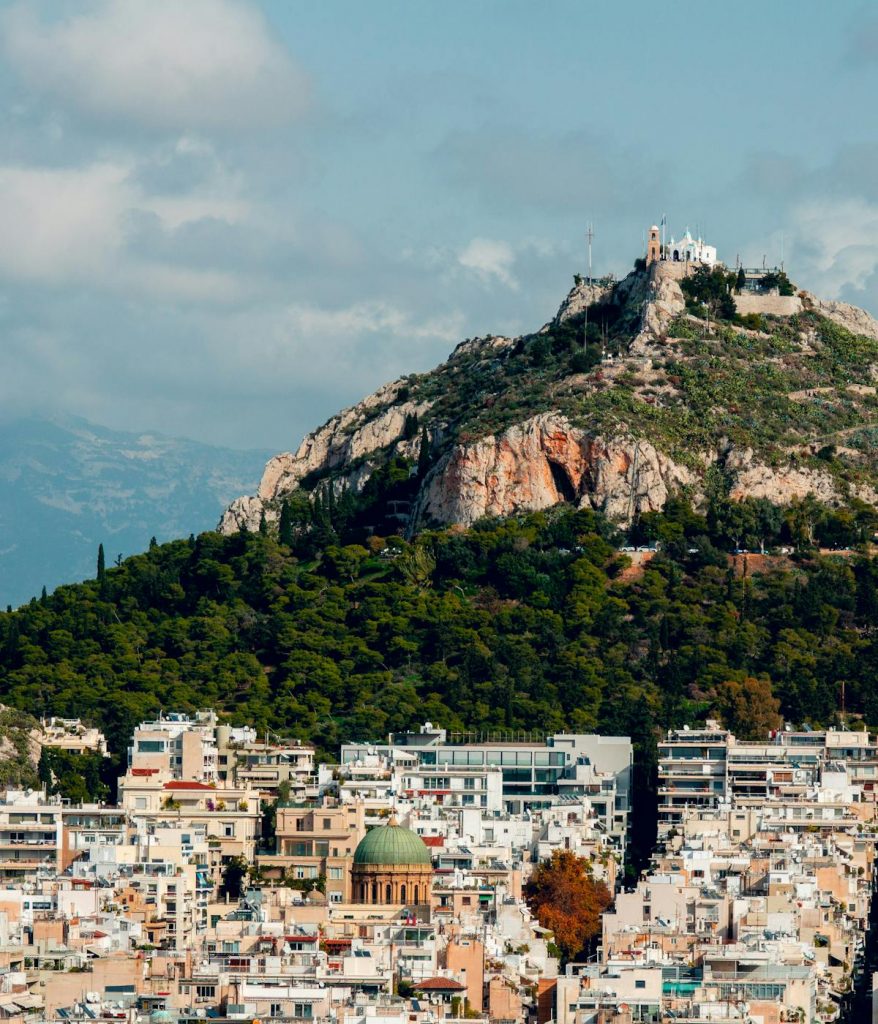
(543, 461)
(606, 455)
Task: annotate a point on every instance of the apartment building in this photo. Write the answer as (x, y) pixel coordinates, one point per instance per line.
(316, 843)
(31, 836)
(534, 773)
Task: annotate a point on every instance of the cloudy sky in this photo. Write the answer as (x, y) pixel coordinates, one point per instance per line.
(225, 219)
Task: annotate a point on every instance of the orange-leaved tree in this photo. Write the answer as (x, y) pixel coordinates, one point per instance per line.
(748, 707)
(565, 898)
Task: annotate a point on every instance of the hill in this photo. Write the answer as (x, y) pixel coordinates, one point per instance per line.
(68, 485)
(675, 391)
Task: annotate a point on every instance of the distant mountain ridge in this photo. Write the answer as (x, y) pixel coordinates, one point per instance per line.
(67, 485)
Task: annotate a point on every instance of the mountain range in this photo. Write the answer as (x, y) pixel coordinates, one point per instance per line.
(67, 486)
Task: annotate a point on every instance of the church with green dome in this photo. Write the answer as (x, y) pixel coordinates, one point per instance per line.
(392, 866)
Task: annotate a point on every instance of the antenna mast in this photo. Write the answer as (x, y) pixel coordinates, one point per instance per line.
(589, 234)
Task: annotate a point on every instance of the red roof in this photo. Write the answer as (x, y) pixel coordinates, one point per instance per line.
(301, 938)
(440, 985)
(144, 771)
(176, 784)
(433, 840)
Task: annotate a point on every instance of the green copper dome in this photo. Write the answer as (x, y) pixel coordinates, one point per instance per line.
(391, 845)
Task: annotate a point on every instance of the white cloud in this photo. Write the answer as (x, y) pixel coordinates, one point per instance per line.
(370, 318)
(61, 224)
(836, 242)
(490, 260)
(162, 64)
(71, 225)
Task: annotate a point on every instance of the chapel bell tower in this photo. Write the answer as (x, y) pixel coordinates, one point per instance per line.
(653, 246)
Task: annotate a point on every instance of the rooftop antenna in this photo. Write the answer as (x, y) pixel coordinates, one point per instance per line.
(664, 225)
(781, 250)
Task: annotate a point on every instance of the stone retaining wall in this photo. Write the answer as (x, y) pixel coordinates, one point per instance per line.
(775, 305)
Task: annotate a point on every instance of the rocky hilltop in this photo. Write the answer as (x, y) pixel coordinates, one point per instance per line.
(667, 395)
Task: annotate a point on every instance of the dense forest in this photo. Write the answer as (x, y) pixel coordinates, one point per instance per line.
(539, 622)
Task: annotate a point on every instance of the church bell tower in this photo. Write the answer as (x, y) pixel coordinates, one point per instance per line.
(653, 246)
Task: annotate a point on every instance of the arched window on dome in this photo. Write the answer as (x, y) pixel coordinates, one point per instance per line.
(388, 893)
(374, 892)
(402, 891)
(416, 898)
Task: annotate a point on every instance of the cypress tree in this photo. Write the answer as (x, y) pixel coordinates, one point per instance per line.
(285, 526)
(102, 564)
(410, 427)
(424, 454)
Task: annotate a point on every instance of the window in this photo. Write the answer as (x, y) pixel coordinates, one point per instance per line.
(276, 1010)
(304, 1010)
(228, 829)
(335, 897)
(151, 746)
(205, 991)
(140, 803)
(639, 983)
(469, 783)
(327, 824)
(336, 874)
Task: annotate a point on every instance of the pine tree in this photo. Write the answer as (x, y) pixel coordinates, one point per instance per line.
(740, 281)
(263, 524)
(153, 543)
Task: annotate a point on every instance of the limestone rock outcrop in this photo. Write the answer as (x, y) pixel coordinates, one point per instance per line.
(663, 300)
(246, 513)
(378, 422)
(542, 461)
(780, 485)
(582, 295)
(852, 318)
